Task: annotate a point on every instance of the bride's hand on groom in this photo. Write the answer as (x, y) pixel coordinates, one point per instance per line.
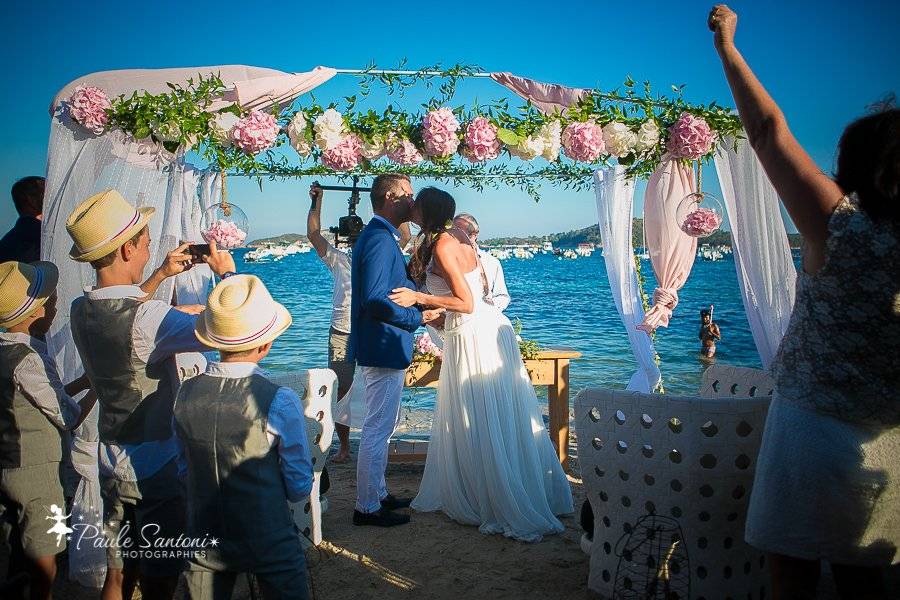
(433, 317)
(405, 297)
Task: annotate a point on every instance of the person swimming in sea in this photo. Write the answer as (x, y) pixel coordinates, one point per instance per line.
(709, 333)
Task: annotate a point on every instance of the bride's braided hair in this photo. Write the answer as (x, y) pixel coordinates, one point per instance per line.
(437, 208)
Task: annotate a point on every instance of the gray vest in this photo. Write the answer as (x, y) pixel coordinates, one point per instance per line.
(235, 489)
(27, 437)
(135, 398)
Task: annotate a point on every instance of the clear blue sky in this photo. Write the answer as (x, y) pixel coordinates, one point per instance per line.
(822, 61)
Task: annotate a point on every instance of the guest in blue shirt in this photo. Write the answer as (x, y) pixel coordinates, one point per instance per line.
(23, 242)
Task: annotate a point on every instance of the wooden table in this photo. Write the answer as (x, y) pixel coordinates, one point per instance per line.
(550, 368)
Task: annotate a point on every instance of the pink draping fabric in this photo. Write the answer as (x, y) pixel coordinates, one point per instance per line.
(254, 87)
(546, 97)
(672, 251)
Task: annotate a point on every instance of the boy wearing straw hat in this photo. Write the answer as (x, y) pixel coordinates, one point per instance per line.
(128, 347)
(246, 449)
(34, 407)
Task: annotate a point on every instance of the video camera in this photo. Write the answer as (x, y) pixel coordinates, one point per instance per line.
(350, 225)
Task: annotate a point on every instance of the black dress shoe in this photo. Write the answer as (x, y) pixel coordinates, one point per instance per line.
(391, 502)
(382, 518)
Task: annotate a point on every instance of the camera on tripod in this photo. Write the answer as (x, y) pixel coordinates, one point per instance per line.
(350, 225)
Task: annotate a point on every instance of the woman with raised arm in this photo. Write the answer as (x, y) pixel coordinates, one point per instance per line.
(490, 460)
(827, 481)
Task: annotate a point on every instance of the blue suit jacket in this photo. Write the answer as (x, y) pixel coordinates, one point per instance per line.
(380, 331)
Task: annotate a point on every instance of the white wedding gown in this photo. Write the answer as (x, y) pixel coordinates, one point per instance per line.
(490, 460)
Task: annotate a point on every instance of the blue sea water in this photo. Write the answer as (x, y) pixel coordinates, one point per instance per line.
(560, 303)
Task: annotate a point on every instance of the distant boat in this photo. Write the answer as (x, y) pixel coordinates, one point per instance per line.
(584, 249)
(276, 253)
(711, 253)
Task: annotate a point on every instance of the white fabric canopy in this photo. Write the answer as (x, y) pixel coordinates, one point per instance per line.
(251, 87)
(615, 196)
(762, 253)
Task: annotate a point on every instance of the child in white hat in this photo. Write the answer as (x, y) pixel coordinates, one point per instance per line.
(34, 408)
(246, 449)
(128, 347)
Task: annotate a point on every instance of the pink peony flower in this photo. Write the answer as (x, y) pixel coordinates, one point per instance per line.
(701, 222)
(255, 132)
(583, 141)
(226, 234)
(88, 106)
(690, 137)
(405, 152)
(426, 347)
(481, 140)
(439, 129)
(345, 155)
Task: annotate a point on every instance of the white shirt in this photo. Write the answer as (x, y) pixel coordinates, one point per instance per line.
(496, 282)
(285, 426)
(339, 264)
(159, 332)
(37, 378)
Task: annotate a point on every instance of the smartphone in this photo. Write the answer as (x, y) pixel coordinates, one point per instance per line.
(197, 252)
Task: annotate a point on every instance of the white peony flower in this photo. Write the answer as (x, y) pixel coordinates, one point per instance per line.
(167, 131)
(529, 148)
(551, 134)
(647, 136)
(220, 127)
(373, 150)
(329, 128)
(296, 131)
(619, 139)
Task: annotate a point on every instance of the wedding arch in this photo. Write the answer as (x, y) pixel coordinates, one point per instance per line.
(167, 138)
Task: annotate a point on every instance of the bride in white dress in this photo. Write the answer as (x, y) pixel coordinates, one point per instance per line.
(490, 460)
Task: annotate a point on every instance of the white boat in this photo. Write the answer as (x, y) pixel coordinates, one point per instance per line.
(547, 247)
(569, 253)
(584, 249)
(522, 253)
(276, 253)
(710, 253)
(499, 253)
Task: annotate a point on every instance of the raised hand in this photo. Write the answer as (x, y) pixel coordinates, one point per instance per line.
(220, 261)
(723, 22)
(405, 297)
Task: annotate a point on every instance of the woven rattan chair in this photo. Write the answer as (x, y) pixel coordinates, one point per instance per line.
(669, 480)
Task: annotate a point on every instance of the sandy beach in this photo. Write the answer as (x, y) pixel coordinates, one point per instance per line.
(432, 557)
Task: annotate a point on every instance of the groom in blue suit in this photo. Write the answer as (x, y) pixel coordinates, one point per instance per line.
(381, 342)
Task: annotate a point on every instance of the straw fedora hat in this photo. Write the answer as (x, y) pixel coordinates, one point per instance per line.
(102, 223)
(241, 315)
(24, 288)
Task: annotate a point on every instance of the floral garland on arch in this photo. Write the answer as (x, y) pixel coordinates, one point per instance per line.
(479, 145)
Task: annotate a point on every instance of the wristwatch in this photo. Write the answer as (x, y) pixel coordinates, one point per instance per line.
(228, 274)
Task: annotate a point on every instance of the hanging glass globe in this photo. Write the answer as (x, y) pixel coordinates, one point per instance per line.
(225, 224)
(699, 214)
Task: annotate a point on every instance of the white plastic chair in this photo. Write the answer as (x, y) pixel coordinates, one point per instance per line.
(318, 390)
(688, 462)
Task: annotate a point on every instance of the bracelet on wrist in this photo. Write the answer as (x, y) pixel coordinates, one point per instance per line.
(228, 274)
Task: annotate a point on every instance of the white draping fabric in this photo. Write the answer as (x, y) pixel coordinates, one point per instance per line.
(672, 252)
(251, 87)
(87, 563)
(762, 254)
(615, 196)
